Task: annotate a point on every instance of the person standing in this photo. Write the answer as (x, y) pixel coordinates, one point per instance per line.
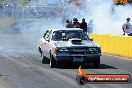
(83, 26)
(76, 23)
(69, 25)
(91, 27)
(127, 27)
(67, 22)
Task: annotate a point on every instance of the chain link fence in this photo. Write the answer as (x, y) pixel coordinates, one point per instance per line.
(30, 12)
(13, 15)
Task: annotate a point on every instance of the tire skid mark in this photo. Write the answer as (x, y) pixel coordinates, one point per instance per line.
(18, 61)
(58, 77)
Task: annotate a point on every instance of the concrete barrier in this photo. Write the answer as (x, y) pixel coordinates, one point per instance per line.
(118, 45)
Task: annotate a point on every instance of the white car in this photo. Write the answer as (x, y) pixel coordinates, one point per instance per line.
(68, 45)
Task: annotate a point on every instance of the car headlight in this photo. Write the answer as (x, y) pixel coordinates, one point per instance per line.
(53, 50)
(94, 50)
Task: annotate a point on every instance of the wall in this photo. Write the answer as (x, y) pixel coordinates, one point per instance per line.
(119, 45)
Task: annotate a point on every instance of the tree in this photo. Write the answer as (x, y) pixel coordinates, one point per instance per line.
(19, 2)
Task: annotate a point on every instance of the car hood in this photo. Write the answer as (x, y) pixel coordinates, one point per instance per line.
(84, 43)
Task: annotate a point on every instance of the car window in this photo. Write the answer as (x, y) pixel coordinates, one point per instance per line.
(47, 35)
(66, 35)
(57, 35)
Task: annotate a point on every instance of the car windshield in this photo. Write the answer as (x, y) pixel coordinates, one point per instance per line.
(68, 34)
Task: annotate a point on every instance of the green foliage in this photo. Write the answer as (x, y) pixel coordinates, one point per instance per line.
(3, 1)
(20, 2)
(23, 2)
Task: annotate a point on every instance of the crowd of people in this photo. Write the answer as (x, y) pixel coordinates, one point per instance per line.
(76, 24)
(127, 27)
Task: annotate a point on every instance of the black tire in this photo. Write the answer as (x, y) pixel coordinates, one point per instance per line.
(96, 64)
(80, 79)
(52, 62)
(43, 59)
(40, 51)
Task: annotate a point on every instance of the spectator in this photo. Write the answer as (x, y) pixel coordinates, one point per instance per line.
(69, 25)
(76, 23)
(83, 26)
(90, 26)
(67, 21)
(127, 27)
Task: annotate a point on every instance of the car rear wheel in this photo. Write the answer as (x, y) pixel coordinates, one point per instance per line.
(96, 64)
(80, 79)
(52, 62)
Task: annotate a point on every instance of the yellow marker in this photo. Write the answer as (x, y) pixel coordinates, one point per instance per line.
(120, 2)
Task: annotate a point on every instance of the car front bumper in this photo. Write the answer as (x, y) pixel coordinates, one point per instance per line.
(77, 58)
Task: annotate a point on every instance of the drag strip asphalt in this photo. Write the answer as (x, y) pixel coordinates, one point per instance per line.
(21, 67)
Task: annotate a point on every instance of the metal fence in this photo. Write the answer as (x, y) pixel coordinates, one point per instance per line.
(30, 12)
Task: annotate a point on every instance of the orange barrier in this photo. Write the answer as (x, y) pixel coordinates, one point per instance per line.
(119, 45)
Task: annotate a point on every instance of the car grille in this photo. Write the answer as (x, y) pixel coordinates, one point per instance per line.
(82, 51)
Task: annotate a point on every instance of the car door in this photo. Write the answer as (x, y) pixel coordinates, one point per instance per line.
(43, 42)
(48, 44)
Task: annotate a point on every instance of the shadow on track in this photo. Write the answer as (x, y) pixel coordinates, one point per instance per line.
(84, 66)
(104, 66)
(71, 65)
(76, 65)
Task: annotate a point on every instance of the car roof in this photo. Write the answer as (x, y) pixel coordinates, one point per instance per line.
(66, 29)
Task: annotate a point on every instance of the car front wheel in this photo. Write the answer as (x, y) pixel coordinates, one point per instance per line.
(44, 59)
(96, 64)
(52, 62)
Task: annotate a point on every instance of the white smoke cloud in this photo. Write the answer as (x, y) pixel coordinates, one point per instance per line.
(106, 21)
